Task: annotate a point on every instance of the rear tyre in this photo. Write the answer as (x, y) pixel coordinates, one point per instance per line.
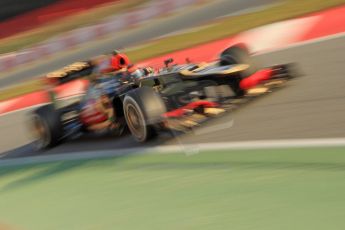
(47, 127)
(143, 109)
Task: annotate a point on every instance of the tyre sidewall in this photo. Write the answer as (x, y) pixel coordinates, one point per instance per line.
(130, 101)
(50, 118)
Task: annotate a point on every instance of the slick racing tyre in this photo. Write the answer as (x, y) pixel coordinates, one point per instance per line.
(143, 109)
(239, 55)
(47, 127)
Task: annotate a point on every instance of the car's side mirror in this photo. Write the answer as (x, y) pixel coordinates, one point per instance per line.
(168, 61)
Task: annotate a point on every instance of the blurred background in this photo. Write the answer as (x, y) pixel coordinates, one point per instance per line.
(275, 163)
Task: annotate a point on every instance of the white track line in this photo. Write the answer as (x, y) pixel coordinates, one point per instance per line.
(173, 149)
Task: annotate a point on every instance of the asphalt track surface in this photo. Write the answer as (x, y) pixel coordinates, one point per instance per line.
(159, 27)
(311, 106)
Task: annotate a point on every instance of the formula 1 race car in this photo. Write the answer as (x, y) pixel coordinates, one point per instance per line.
(164, 101)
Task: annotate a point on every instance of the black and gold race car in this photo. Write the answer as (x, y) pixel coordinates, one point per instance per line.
(166, 100)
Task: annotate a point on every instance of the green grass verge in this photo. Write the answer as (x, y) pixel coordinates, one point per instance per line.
(232, 25)
(222, 28)
(261, 189)
(21, 89)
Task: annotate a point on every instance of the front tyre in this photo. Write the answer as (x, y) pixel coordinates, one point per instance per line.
(136, 121)
(238, 55)
(143, 109)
